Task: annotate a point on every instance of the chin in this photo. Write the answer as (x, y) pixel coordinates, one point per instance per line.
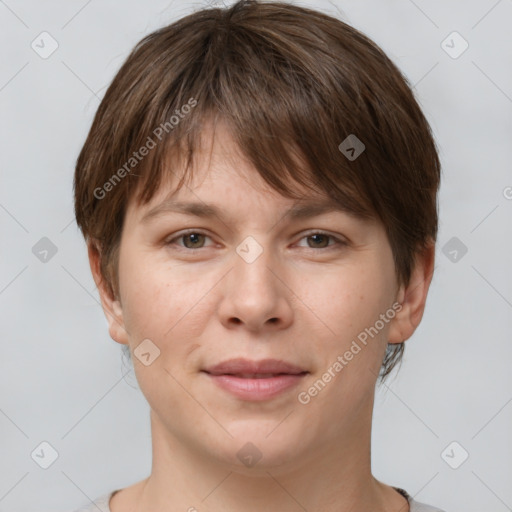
(260, 446)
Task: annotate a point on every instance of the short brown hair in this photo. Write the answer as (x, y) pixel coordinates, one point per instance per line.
(292, 84)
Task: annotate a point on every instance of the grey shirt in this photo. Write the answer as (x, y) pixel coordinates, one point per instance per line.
(101, 504)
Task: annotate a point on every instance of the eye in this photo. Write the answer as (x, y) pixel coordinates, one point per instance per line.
(193, 240)
(321, 240)
(196, 240)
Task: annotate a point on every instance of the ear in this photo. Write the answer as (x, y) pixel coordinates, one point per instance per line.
(413, 297)
(110, 304)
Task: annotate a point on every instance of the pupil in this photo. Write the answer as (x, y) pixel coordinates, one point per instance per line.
(193, 237)
(318, 236)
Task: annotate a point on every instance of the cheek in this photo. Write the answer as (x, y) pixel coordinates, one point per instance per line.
(164, 307)
(349, 306)
(163, 303)
(345, 302)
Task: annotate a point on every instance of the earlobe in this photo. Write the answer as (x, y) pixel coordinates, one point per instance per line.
(110, 304)
(116, 326)
(413, 297)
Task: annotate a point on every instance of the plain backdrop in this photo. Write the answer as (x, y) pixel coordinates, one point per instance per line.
(61, 376)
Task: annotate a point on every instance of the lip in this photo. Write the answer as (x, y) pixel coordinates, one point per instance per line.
(255, 380)
(240, 366)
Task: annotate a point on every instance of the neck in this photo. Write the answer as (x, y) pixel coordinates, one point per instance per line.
(332, 477)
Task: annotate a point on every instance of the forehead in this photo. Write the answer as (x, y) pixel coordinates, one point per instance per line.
(222, 179)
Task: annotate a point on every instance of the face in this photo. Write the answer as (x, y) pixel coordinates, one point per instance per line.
(253, 281)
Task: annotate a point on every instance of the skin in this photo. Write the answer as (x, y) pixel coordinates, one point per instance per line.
(303, 300)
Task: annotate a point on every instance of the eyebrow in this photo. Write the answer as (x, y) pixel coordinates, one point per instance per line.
(199, 209)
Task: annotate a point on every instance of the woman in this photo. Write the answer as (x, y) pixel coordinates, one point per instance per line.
(258, 196)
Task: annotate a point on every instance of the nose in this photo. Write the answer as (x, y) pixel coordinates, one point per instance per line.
(255, 295)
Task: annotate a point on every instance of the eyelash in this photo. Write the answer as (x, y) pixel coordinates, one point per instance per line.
(338, 241)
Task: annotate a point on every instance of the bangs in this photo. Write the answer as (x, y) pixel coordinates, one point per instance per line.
(276, 113)
(293, 87)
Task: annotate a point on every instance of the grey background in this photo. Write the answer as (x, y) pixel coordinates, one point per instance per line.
(61, 378)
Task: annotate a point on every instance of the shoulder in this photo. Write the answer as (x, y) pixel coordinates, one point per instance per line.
(100, 504)
(416, 506)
